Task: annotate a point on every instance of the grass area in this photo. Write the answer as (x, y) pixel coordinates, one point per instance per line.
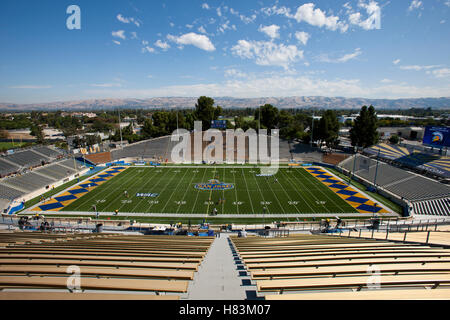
(10, 145)
(289, 191)
(50, 193)
(392, 205)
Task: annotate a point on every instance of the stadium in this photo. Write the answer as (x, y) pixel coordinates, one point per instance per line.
(139, 226)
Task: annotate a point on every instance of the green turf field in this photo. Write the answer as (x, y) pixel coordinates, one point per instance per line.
(295, 192)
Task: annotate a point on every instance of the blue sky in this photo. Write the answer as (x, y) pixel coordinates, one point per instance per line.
(142, 49)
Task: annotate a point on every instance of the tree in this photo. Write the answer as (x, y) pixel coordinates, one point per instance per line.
(394, 139)
(269, 116)
(364, 131)
(328, 128)
(36, 130)
(206, 112)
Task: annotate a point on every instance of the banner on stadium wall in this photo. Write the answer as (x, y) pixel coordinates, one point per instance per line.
(218, 124)
(437, 136)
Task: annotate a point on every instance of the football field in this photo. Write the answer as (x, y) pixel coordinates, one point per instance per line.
(202, 190)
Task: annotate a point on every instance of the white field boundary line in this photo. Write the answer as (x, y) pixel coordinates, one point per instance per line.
(201, 215)
(317, 182)
(72, 186)
(363, 193)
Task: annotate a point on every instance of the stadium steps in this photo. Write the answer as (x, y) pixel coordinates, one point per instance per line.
(439, 207)
(39, 154)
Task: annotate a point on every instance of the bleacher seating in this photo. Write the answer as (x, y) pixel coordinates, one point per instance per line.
(7, 168)
(27, 158)
(49, 152)
(405, 184)
(153, 266)
(10, 193)
(321, 266)
(29, 181)
(413, 158)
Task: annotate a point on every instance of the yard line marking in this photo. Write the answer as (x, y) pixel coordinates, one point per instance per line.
(246, 187)
(279, 203)
(145, 185)
(306, 188)
(115, 192)
(301, 196)
(198, 191)
(174, 190)
(131, 187)
(188, 188)
(290, 199)
(262, 196)
(223, 192)
(210, 192)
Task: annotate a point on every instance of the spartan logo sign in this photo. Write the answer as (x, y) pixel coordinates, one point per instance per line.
(257, 147)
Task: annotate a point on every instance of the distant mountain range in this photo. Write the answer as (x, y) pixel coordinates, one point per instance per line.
(228, 102)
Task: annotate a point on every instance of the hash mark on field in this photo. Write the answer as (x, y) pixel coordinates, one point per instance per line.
(178, 184)
(145, 185)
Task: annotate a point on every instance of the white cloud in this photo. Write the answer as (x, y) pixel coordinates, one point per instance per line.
(205, 6)
(316, 17)
(201, 29)
(415, 4)
(219, 12)
(397, 61)
(162, 44)
(235, 73)
(447, 3)
(374, 16)
(387, 81)
(419, 68)
(119, 34)
(343, 59)
(271, 31)
(106, 85)
(134, 35)
(30, 87)
(189, 26)
(148, 49)
(116, 42)
(303, 37)
(283, 86)
(150, 76)
(440, 73)
(128, 20)
(267, 53)
(172, 24)
(198, 40)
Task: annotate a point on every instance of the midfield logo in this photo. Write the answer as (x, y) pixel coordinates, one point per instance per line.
(214, 184)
